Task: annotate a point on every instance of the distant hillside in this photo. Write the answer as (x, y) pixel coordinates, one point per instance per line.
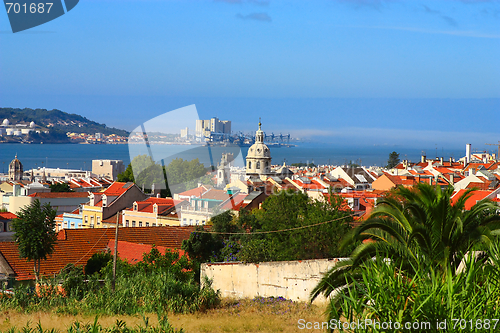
(58, 120)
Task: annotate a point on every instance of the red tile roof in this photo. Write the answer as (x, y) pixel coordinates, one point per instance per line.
(117, 189)
(475, 198)
(133, 253)
(7, 216)
(51, 195)
(76, 246)
(196, 192)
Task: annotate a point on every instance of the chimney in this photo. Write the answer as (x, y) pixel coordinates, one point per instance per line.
(452, 179)
(451, 161)
(441, 160)
(423, 158)
(468, 152)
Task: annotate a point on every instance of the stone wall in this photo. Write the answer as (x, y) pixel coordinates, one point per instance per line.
(289, 279)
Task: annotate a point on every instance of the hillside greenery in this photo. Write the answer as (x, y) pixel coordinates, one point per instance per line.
(62, 121)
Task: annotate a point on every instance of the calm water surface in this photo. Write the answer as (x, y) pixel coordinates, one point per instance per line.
(80, 156)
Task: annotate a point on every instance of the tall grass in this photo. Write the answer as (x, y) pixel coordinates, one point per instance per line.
(466, 301)
(159, 284)
(119, 327)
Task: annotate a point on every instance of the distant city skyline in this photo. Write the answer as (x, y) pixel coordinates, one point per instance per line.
(419, 73)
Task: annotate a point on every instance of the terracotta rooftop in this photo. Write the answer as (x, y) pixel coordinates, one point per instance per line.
(118, 188)
(76, 246)
(475, 198)
(133, 253)
(50, 195)
(7, 216)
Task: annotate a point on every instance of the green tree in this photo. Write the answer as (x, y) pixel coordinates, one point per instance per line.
(184, 175)
(296, 211)
(60, 187)
(35, 233)
(98, 261)
(127, 175)
(417, 228)
(393, 160)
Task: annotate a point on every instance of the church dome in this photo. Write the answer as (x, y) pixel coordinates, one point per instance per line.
(258, 161)
(5, 122)
(16, 169)
(32, 124)
(259, 150)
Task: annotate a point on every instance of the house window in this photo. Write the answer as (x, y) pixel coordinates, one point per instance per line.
(1, 227)
(135, 207)
(140, 223)
(92, 220)
(197, 222)
(203, 222)
(249, 164)
(98, 220)
(190, 221)
(72, 225)
(154, 224)
(86, 219)
(133, 223)
(258, 165)
(155, 209)
(126, 223)
(147, 224)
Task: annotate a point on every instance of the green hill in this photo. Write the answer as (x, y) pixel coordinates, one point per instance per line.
(57, 120)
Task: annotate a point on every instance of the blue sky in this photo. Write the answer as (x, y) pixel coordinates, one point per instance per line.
(418, 73)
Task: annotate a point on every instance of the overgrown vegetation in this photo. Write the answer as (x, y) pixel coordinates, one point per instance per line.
(424, 259)
(158, 284)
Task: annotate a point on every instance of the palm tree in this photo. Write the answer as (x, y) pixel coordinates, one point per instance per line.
(417, 227)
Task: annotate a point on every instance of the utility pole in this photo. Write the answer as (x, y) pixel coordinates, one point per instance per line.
(116, 252)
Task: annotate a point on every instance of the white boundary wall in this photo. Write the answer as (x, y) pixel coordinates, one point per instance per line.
(289, 279)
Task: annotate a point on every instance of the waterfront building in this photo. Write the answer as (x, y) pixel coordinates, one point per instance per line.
(212, 127)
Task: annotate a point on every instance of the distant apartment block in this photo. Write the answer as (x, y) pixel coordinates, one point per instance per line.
(107, 168)
(184, 132)
(204, 128)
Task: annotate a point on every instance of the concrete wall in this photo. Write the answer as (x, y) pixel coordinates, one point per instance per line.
(289, 279)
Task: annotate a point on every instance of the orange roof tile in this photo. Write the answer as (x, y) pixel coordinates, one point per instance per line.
(51, 195)
(133, 253)
(76, 246)
(475, 198)
(7, 216)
